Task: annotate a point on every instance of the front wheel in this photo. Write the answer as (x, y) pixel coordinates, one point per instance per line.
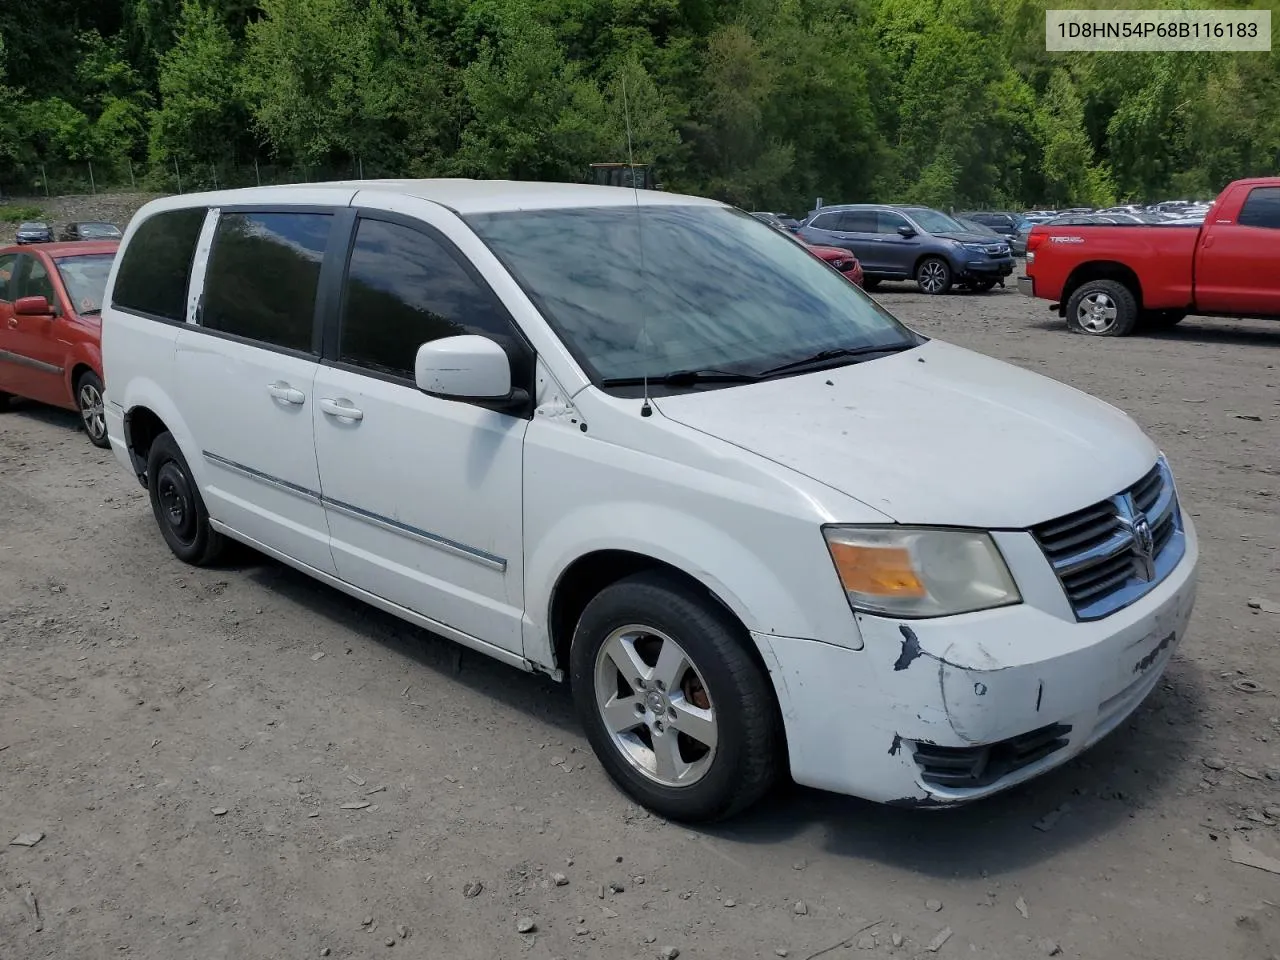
(92, 408)
(178, 507)
(1102, 308)
(4, 401)
(870, 283)
(678, 711)
(933, 276)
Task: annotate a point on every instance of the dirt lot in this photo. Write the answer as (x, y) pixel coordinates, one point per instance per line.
(139, 697)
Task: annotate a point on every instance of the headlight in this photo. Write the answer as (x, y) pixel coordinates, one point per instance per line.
(976, 247)
(918, 571)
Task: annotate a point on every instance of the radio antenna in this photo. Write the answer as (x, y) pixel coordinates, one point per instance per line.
(646, 410)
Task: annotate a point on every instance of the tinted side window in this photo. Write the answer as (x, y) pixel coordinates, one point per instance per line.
(156, 265)
(890, 222)
(404, 289)
(858, 221)
(262, 276)
(826, 221)
(8, 273)
(1261, 208)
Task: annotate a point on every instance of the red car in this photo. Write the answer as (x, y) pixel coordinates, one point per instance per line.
(1107, 280)
(842, 260)
(50, 327)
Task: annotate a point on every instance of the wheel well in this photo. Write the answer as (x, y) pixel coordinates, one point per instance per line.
(1101, 270)
(141, 427)
(78, 371)
(590, 574)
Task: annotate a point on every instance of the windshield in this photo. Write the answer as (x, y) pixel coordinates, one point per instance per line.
(86, 280)
(644, 291)
(32, 226)
(934, 221)
(99, 231)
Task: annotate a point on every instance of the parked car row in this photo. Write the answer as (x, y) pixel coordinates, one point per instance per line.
(36, 231)
(902, 242)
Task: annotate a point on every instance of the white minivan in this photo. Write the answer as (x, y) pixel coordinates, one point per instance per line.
(644, 443)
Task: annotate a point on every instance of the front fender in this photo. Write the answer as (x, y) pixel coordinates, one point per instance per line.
(729, 567)
(81, 354)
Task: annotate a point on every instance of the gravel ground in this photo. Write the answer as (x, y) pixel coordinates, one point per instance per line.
(188, 742)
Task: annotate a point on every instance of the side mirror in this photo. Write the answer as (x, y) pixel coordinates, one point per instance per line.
(32, 307)
(906, 232)
(463, 368)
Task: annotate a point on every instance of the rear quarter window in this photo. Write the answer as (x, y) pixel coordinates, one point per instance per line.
(1261, 208)
(155, 265)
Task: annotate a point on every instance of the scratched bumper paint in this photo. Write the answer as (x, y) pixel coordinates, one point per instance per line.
(853, 716)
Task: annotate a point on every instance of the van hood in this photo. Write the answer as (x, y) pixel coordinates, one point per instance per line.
(933, 435)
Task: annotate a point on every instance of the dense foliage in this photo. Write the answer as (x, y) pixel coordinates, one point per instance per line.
(767, 103)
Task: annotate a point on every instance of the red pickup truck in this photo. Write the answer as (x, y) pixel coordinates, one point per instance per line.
(1109, 279)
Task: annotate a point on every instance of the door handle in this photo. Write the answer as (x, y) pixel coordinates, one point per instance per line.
(341, 408)
(282, 391)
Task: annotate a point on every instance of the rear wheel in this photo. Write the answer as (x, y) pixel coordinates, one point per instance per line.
(933, 276)
(4, 400)
(92, 408)
(178, 507)
(870, 283)
(1102, 308)
(678, 711)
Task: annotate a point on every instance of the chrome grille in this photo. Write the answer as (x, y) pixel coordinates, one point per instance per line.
(1098, 552)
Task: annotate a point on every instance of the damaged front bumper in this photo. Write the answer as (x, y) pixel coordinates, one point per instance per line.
(944, 711)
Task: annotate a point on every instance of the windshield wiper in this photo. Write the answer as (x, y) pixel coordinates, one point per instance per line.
(683, 378)
(839, 353)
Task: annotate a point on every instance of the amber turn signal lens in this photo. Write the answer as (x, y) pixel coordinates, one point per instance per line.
(877, 571)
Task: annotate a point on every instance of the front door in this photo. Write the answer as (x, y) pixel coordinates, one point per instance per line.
(33, 343)
(244, 377)
(1235, 265)
(423, 495)
(900, 253)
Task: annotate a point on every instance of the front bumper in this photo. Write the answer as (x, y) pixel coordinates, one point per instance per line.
(988, 268)
(870, 722)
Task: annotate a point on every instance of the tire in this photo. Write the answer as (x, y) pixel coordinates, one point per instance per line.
(982, 286)
(1156, 320)
(179, 510)
(1102, 308)
(91, 406)
(723, 692)
(933, 276)
(870, 283)
(4, 401)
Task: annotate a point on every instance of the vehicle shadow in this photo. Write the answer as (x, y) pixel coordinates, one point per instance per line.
(1083, 800)
(531, 693)
(1206, 330)
(56, 417)
(1111, 783)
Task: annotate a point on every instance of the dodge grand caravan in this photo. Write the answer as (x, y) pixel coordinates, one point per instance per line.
(646, 444)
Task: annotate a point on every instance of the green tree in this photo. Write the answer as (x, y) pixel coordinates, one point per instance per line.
(201, 116)
(533, 114)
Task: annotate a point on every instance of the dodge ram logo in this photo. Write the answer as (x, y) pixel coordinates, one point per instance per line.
(1144, 547)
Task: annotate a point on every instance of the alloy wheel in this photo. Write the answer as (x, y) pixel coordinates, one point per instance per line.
(1097, 313)
(655, 706)
(933, 277)
(92, 412)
